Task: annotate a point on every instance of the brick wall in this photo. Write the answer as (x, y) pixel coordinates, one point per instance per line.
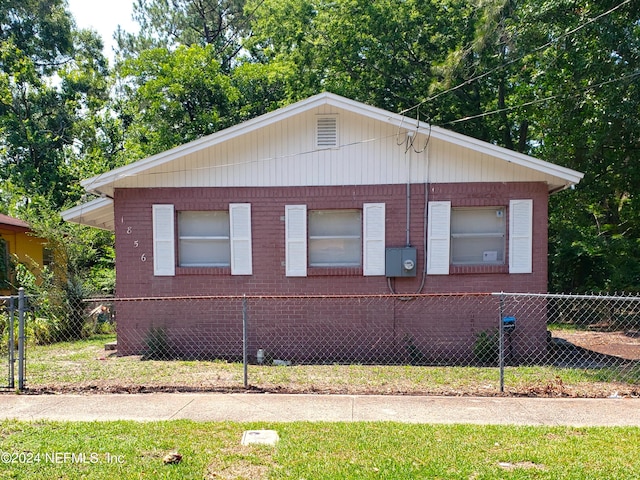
(134, 264)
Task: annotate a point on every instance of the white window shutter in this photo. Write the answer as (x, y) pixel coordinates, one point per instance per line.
(520, 236)
(164, 243)
(373, 238)
(295, 220)
(240, 238)
(438, 238)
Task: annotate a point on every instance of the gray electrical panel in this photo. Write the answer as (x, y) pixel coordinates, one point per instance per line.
(401, 262)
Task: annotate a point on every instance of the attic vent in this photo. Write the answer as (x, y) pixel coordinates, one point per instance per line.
(327, 131)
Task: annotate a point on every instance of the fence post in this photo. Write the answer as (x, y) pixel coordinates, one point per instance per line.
(12, 341)
(501, 343)
(244, 342)
(21, 309)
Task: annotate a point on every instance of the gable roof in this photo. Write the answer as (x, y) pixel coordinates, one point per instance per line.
(97, 212)
(13, 224)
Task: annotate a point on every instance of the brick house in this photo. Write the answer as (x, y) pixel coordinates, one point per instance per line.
(325, 196)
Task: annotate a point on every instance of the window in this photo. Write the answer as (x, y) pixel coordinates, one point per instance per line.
(204, 239)
(478, 236)
(4, 264)
(48, 256)
(335, 238)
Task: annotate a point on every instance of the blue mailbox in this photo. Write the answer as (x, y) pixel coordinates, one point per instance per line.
(508, 324)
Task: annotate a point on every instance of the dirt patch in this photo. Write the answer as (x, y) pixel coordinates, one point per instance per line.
(624, 345)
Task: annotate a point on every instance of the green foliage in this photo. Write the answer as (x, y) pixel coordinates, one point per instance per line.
(486, 347)
(157, 345)
(220, 24)
(81, 266)
(173, 98)
(40, 119)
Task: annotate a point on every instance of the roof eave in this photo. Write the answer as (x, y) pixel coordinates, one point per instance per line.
(96, 213)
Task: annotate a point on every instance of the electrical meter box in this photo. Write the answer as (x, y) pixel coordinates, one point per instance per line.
(401, 262)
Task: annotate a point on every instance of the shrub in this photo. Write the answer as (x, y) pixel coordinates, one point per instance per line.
(486, 348)
(157, 345)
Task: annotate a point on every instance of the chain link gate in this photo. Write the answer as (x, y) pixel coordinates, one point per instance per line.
(12, 332)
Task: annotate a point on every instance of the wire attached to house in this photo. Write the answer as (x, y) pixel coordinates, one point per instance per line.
(424, 221)
(412, 135)
(248, 162)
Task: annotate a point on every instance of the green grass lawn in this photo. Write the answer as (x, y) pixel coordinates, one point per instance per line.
(85, 365)
(123, 450)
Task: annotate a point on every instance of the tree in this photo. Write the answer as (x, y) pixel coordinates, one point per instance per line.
(382, 52)
(592, 126)
(54, 130)
(51, 78)
(170, 98)
(169, 24)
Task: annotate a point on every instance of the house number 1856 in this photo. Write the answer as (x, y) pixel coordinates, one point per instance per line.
(136, 244)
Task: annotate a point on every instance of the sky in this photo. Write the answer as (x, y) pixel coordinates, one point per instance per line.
(104, 17)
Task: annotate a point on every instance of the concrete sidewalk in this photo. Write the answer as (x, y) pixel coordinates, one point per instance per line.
(252, 407)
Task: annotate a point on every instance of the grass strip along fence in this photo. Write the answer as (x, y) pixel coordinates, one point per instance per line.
(480, 344)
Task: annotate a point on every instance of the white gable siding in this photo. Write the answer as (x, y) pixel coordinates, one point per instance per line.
(284, 154)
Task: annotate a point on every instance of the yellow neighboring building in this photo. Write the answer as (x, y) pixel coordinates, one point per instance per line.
(17, 241)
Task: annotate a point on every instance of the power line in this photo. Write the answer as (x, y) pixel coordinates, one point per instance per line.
(542, 100)
(549, 43)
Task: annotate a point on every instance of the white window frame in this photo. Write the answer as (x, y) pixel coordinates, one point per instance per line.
(491, 232)
(217, 239)
(520, 237)
(331, 236)
(372, 240)
(165, 242)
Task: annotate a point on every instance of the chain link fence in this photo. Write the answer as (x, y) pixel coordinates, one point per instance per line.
(12, 342)
(487, 344)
